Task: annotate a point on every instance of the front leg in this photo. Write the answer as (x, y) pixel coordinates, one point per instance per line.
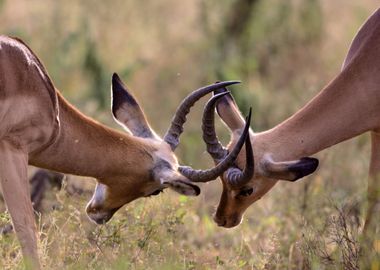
(373, 214)
(15, 187)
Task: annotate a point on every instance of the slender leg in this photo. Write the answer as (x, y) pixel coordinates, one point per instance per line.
(373, 183)
(15, 186)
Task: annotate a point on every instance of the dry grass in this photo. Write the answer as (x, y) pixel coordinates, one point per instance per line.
(164, 49)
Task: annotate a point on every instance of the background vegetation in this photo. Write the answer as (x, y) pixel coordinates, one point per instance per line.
(283, 51)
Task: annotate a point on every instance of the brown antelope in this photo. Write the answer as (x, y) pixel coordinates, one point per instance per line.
(347, 107)
(39, 127)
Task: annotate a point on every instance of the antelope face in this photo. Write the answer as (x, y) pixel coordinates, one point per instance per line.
(162, 169)
(254, 173)
(107, 199)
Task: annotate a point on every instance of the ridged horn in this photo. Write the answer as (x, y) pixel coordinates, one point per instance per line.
(236, 177)
(176, 128)
(217, 151)
(211, 174)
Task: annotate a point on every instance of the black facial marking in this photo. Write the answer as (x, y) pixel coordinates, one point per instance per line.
(179, 184)
(303, 167)
(162, 164)
(155, 193)
(246, 192)
(104, 219)
(120, 94)
(195, 188)
(158, 191)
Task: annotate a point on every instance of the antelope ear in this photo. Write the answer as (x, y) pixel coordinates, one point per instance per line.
(183, 187)
(291, 170)
(127, 111)
(229, 111)
(174, 180)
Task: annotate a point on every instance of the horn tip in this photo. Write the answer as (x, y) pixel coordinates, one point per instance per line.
(226, 83)
(223, 84)
(248, 118)
(234, 81)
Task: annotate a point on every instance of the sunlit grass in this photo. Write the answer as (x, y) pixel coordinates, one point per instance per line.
(163, 50)
(297, 227)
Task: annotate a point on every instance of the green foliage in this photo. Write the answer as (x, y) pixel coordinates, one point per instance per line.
(4, 218)
(283, 51)
(94, 68)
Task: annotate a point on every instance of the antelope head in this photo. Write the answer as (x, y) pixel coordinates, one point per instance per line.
(254, 172)
(163, 170)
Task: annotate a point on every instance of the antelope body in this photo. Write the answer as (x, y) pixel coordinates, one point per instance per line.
(347, 107)
(39, 127)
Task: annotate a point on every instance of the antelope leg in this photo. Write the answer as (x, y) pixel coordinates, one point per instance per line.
(15, 187)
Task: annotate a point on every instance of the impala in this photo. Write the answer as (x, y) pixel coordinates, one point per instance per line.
(347, 107)
(39, 127)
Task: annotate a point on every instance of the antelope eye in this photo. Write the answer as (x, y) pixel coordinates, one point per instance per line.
(158, 191)
(245, 192)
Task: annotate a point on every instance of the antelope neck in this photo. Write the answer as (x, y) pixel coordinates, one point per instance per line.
(88, 148)
(345, 108)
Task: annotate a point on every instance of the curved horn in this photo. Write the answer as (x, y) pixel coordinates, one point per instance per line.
(217, 151)
(176, 128)
(236, 177)
(211, 174)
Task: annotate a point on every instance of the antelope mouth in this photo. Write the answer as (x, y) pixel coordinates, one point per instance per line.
(228, 221)
(101, 217)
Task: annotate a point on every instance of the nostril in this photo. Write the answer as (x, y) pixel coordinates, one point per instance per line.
(221, 221)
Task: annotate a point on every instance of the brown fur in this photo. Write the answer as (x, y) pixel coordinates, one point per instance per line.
(347, 107)
(39, 127)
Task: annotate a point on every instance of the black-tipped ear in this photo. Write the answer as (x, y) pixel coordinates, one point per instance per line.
(304, 167)
(291, 170)
(163, 174)
(127, 111)
(120, 95)
(183, 187)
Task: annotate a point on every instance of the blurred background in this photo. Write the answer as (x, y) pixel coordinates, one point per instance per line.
(284, 52)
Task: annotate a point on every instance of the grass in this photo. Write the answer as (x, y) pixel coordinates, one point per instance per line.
(307, 226)
(163, 50)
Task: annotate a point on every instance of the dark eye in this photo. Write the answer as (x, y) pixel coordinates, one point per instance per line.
(245, 192)
(158, 191)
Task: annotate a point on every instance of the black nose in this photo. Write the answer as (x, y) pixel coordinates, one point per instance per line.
(228, 221)
(101, 221)
(100, 216)
(220, 221)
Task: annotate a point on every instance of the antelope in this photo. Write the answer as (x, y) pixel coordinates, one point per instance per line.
(39, 127)
(40, 183)
(346, 107)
